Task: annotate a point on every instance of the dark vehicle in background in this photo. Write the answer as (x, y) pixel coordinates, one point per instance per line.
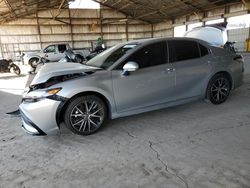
(98, 49)
(71, 57)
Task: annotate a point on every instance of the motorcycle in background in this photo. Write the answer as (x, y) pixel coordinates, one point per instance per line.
(9, 66)
(98, 49)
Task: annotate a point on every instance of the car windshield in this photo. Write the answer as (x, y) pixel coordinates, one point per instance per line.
(109, 57)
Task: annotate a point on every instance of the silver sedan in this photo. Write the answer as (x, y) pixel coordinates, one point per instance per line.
(127, 79)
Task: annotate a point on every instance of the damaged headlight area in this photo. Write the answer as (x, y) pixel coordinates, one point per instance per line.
(38, 92)
(39, 95)
(56, 80)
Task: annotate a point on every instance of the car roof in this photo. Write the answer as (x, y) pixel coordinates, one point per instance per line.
(150, 40)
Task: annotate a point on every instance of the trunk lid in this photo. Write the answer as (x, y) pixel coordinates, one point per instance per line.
(214, 35)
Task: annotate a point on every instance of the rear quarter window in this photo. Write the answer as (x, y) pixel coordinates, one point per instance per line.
(203, 50)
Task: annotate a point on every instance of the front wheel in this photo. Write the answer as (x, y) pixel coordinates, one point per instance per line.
(33, 62)
(218, 89)
(85, 115)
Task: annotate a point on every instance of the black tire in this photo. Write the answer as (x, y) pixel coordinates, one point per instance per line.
(33, 62)
(15, 69)
(79, 58)
(84, 120)
(218, 89)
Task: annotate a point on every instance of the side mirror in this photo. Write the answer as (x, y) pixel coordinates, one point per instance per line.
(130, 66)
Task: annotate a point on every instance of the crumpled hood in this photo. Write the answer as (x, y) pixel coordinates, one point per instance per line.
(56, 69)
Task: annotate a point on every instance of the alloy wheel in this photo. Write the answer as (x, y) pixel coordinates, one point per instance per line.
(220, 90)
(86, 117)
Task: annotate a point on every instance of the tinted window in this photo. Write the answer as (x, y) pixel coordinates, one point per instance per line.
(203, 50)
(183, 50)
(118, 54)
(151, 55)
(61, 48)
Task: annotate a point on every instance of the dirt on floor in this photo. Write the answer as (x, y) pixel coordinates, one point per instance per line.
(197, 145)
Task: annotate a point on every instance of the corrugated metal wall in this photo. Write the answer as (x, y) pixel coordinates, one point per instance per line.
(77, 27)
(239, 36)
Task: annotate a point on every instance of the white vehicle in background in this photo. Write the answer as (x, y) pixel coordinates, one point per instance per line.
(53, 53)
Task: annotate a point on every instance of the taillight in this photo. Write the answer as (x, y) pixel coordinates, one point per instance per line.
(238, 58)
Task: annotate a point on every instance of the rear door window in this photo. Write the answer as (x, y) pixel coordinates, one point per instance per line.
(180, 50)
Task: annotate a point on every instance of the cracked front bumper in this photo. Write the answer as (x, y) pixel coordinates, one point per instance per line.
(29, 127)
(39, 118)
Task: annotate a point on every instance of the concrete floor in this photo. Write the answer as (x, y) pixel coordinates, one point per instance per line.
(196, 145)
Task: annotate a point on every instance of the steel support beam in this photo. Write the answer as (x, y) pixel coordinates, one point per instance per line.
(246, 3)
(59, 9)
(152, 30)
(10, 8)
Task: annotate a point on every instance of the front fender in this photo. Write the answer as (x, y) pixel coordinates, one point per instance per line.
(105, 94)
(101, 85)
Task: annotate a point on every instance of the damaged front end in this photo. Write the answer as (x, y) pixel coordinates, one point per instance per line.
(55, 80)
(43, 90)
(43, 100)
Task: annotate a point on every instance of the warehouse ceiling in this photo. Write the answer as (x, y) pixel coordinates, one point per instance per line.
(154, 11)
(151, 11)
(12, 9)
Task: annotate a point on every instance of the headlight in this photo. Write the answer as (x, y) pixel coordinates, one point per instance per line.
(37, 95)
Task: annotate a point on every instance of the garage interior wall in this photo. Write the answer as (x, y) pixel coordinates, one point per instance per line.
(79, 27)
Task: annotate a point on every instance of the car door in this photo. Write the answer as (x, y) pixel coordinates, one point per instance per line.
(51, 53)
(191, 64)
(153, 83)
(61, 49)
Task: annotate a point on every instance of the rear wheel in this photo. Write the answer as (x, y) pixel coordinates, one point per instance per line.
(218, 89)
(85, 115)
